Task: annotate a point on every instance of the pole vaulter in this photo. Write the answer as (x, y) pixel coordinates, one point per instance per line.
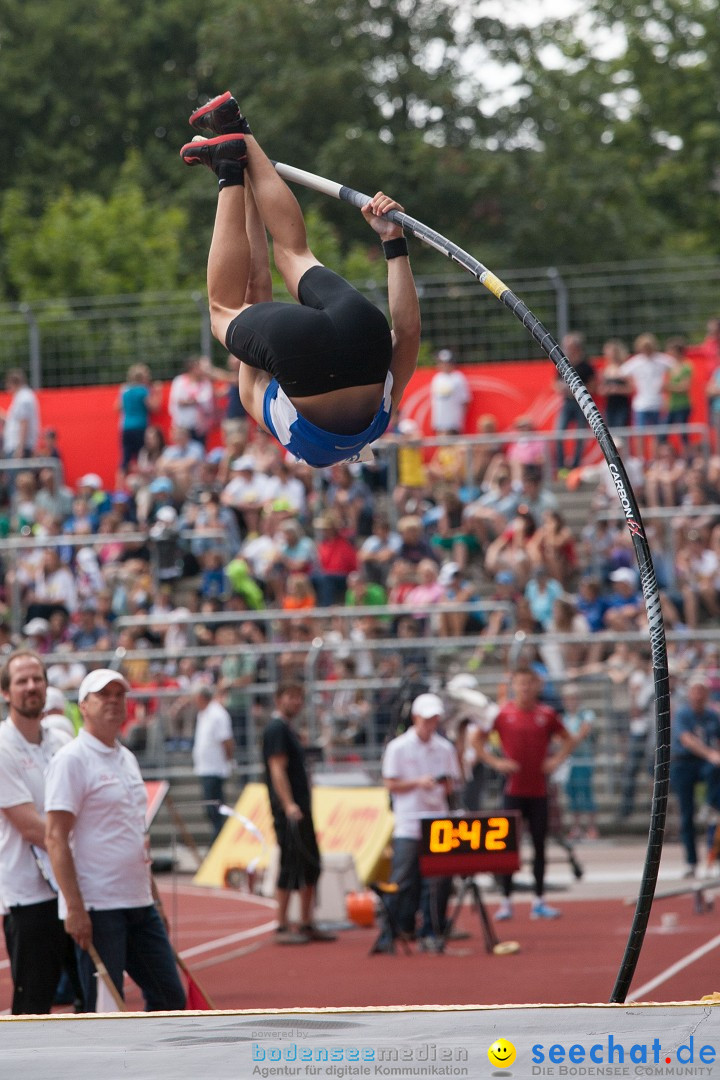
(631, 512)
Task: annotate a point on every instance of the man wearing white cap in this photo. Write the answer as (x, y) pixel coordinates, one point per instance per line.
(624, 607)
(95, 805)
(419, 768)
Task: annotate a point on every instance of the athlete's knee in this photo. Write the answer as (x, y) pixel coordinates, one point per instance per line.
(259, 287)
(292, 264)
(290, 257)
(220, 319)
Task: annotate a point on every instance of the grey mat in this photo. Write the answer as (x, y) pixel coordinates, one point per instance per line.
(605, 1041)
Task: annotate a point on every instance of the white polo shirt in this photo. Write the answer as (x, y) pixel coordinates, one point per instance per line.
(103, 787)
(408, 758)
(213, 727)
(22, 780)
(449, 399)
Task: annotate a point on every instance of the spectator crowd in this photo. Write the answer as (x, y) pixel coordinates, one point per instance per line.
(214, 578)
(231, 546)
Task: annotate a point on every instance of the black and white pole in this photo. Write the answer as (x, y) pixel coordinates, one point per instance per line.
(631, 512)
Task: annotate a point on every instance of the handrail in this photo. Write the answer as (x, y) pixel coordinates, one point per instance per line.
(337, 612)
(30, 543)
(467, 643)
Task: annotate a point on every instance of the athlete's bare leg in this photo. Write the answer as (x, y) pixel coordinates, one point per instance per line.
(283, 218)
(239, 244)
(259, 286)
(229, 260)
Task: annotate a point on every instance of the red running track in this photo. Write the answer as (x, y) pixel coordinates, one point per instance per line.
(226, 939)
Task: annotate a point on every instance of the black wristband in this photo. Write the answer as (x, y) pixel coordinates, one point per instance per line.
(393, 249)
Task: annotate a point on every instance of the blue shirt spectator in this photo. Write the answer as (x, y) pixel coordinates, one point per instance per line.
(541, 592)
(702, 722)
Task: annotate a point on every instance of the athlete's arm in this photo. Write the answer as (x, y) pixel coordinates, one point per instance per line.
(501, 764)
(569, 742)
(402, 297)
(405, 319)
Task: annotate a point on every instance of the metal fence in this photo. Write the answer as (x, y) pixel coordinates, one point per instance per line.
(76, 342)
(618, 775)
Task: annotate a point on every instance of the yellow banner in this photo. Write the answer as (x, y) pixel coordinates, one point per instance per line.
(357, 820)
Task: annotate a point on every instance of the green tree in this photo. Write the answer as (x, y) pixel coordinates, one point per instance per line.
(616, 149)
(372, 95)
(84, 81)
(85, 245)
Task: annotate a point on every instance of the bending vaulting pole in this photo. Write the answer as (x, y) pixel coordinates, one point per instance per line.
(628, 502)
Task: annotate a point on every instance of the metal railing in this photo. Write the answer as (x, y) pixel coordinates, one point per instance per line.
(13, 546)
(19, 465)
(81, 341)
(387, 449)
(444, 658)
(270, 615)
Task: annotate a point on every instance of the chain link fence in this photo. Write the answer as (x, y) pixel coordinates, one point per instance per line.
(76, 342)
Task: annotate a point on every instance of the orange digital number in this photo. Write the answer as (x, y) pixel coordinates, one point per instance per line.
(497, 830)
(441, 835)
(470, 833)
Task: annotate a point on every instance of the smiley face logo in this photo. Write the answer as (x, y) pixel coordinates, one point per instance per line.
(502, 1053)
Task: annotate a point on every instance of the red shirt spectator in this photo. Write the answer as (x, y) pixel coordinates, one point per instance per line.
(525, 735)
(335, 553)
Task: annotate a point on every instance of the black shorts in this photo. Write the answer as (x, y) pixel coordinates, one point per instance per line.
(333, 339)
(299, 853)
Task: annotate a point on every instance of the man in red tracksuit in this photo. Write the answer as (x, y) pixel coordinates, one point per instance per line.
(526, 729)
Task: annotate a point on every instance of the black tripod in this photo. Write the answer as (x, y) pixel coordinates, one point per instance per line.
(470, 887)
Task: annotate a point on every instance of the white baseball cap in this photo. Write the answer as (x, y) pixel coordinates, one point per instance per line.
(90, 479)
(98, 680)
(624, 574)
(427, 705)
(245, 463)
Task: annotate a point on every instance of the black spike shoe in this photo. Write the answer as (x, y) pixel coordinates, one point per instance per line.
(212, 152)
(221, 115)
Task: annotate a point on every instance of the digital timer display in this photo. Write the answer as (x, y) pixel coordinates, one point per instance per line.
(470, 844)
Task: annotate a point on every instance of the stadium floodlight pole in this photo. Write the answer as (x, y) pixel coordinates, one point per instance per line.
(631, 512)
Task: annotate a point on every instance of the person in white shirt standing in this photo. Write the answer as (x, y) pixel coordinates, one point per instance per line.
(22, 420)
(191, 403)
(95, 804)
(37, 944)
(213, 751)
(647, 370)
(449, 396)
(420, 769)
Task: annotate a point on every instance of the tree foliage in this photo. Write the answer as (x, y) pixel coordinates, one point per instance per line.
(85, 245)
(619, 111)
(606, 147)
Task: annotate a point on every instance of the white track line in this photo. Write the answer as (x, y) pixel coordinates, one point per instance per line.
(642, 991)
(236, 954)
(219, 943)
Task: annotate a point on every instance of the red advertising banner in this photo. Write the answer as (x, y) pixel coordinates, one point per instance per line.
(86, 420)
